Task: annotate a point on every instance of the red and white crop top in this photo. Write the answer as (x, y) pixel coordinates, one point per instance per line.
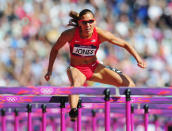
(84, 47)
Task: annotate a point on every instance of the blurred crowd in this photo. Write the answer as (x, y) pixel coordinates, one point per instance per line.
(29, 28)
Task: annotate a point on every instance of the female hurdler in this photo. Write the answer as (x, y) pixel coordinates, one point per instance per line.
(84, 40)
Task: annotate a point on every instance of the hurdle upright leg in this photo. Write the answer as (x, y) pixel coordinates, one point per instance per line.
(62, 116)
(79, 116)
(3, 117)
(132, 118)
(29, 110)
(107, 109)
(43, 117)
(93, 120)
(146, 120)
(16, 124)
(128, 110)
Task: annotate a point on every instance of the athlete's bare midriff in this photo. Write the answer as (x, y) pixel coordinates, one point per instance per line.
(75, 60)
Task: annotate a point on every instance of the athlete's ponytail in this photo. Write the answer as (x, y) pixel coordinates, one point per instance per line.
(75, 18)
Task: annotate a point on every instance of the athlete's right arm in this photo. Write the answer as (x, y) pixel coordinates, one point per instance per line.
(65, 37)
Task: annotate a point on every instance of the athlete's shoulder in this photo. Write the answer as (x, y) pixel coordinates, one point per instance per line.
(98, 29)
(101, 33)
(68, 34)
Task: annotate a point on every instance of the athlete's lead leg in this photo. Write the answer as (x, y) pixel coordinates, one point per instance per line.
(77, 79)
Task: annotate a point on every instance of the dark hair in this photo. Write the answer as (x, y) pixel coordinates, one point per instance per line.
(77, 16)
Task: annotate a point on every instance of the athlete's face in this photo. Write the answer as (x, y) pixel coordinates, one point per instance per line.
(87, 24)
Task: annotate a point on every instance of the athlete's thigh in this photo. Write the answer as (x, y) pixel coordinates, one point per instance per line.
(75, 76)
(108, 76)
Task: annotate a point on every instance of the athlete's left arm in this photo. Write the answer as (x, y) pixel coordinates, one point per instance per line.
(108, 36)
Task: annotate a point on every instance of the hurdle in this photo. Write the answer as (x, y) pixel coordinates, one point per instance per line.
(51, 97)
(142, 91)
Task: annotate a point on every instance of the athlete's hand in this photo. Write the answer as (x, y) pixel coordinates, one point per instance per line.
(47, 76)
(141, 63)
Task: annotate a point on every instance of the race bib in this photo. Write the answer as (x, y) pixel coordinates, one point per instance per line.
(84, 50)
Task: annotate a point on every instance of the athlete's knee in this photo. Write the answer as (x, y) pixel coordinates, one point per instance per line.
(77, 82)
(127, 81)
(76, 77)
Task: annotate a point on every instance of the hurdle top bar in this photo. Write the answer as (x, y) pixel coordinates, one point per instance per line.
(50, 90)
(160, 91)
(85, 99)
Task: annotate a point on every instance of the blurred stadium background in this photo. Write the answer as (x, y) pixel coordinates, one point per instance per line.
(29, 28)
